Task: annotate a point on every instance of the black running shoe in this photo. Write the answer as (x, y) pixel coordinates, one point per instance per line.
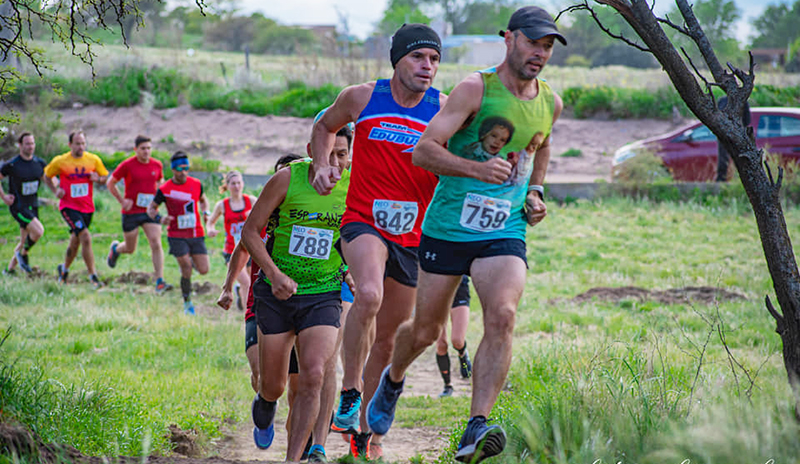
(465, 365)
(480, 441)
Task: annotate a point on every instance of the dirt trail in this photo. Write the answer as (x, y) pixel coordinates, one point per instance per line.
(400, 445)
(252, 143)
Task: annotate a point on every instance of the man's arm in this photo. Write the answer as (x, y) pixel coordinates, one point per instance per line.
(111, 185)
(431, 154)
(272, 195)
(203, 204)
(235, 265)
(535, 208)
(348, 105)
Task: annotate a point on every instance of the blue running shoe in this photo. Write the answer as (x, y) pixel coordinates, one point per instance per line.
(22, 260)
(264, 437)
(188, 308)
(380, 410)
(347, 416)
(480, 441)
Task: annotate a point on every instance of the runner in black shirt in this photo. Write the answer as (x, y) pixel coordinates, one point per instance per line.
(24, 173)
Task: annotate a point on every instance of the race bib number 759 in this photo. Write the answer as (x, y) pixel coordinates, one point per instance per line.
(395, 217)
(484, 214)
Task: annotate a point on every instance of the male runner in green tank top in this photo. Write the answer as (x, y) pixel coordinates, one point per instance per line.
(496, 127)
(298, 293)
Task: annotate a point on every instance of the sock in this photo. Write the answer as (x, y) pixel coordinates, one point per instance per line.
(186, 288)
(263, 412)
(392, 384)
(443, 361)
(462, 350)
(28, 244)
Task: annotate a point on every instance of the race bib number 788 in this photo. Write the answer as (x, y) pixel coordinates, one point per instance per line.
(311, 242)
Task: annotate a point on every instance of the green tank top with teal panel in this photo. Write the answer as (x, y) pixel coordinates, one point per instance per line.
(307, 228)
(465, 209)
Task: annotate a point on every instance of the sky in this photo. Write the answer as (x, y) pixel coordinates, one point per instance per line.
(362, 15)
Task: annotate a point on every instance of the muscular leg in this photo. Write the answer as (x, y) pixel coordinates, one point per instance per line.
(273, 351)
(366, 255)
(33, 232)
(398, 304)
(499, 303)
(130, 238)
(72, 250)
(23, 235)
(153, 234)
(244, 284)
(252, 360)
(328, 398)
(459, 317)
(441, 342)
(435, 294)
(201, 264)
(315, 349)
(85, 238)
(185, 264)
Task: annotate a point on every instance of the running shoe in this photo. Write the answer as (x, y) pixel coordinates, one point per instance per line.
(307, 450)
(380, 410)
(447, 392)
(95, 281)
(359, 445)
(317, 454)
(112, 254)
(188, 309)
(346, 419)
(162, 286)
(480, 441)
(465, 365)
(62, 274)
(9, 271)
(22, 260)
(263, 438)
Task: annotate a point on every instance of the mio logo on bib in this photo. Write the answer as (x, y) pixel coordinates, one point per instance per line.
(397, 134)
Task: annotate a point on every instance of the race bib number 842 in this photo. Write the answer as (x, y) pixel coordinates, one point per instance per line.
(484, 214)
(395, 217)
(310, 242)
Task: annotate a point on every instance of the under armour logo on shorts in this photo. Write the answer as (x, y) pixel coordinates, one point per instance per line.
(430, 256)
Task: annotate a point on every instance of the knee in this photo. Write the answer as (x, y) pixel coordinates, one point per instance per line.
(85, 238)
(427, 336)
(202, 269)
(35, 233)
(369, 298)
(155, 244)
(130, 247)
(270, 391)
(441, 345)
(501, 322)
(311, 379)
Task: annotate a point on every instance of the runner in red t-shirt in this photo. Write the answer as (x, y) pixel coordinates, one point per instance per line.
(141, 174)
(183, 195)
(234, 211)
(386, 202)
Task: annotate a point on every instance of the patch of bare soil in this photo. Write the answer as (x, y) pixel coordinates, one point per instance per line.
(134, 277)
(204, 288)
(253, 144)
(704, 295)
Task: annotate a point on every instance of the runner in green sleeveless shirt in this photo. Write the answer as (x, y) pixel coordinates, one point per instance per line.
(496, 127)
(298, 293)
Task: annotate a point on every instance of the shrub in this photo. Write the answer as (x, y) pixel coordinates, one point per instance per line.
(644, 168)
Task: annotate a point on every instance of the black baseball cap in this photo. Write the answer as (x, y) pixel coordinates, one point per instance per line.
(535, 23)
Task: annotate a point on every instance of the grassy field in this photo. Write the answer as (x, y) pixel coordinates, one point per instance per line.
(626, 380)
(273, 72)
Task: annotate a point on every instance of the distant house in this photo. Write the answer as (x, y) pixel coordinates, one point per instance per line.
(772, 57)
(482, 50)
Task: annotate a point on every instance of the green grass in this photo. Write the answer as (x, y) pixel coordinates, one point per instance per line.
(615, 381)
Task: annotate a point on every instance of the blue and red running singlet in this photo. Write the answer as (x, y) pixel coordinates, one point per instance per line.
(386, 190)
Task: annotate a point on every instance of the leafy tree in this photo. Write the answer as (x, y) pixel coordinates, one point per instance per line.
(777, 26)
(484, 17)
(397, 14)
(67, 22)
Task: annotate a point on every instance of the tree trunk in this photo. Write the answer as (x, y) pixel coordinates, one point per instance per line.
(761, 188)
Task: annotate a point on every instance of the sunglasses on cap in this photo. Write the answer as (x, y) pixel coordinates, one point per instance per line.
(181, 168)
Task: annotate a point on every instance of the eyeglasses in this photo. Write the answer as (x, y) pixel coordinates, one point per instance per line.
(181, 168)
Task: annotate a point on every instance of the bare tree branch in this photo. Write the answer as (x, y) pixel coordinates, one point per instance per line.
(585, 7)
